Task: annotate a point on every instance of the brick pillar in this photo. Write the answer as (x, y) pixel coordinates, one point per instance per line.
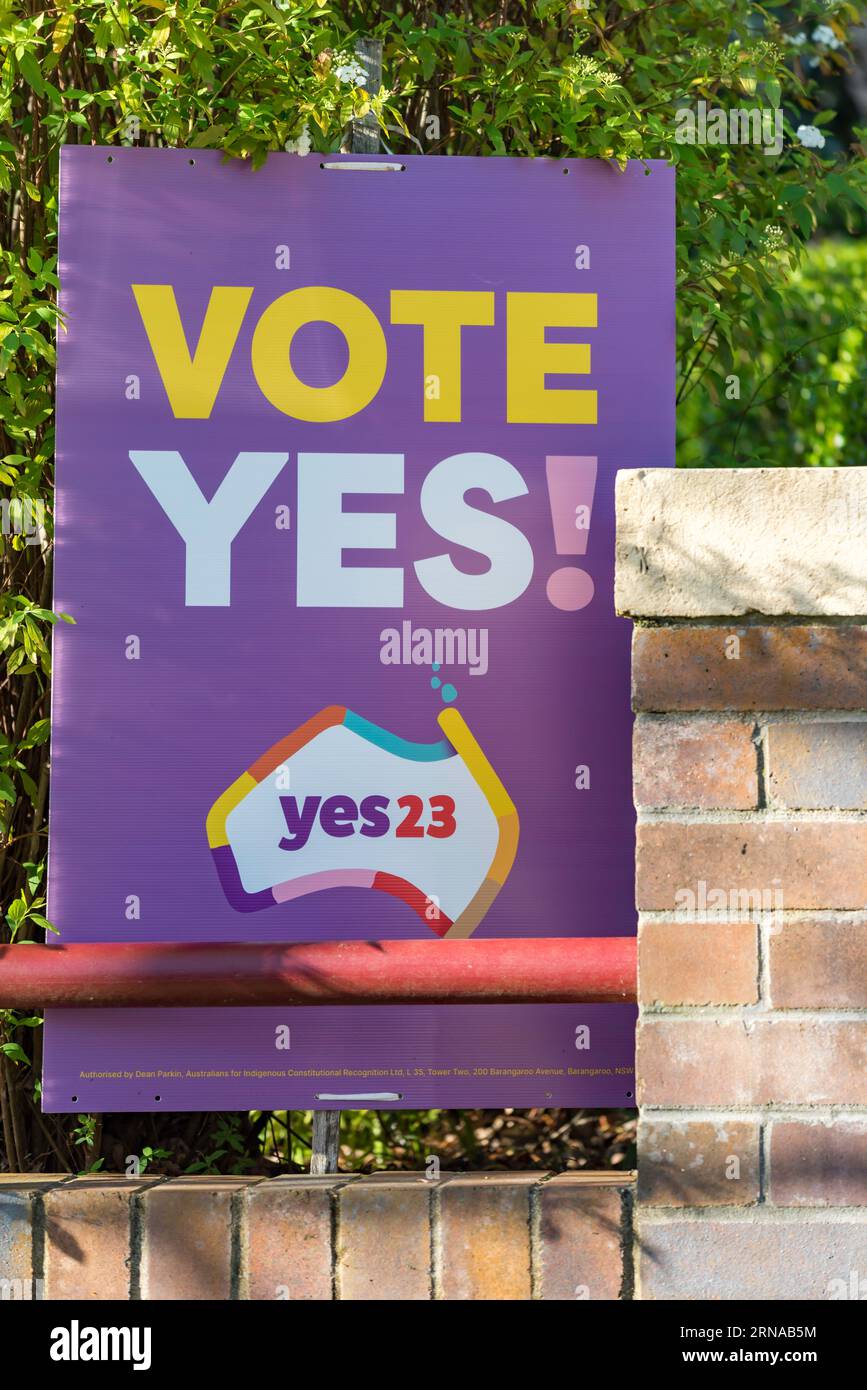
(749, 593)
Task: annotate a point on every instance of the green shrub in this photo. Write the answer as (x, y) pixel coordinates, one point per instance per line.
(522, 77)
(806, 402)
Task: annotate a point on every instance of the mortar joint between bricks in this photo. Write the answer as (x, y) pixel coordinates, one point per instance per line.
(750, 1216)
(771, 1110)
(749, 1014)
(819, 1111)
(746, 717)
(627, 1245)
(238, 1251)
(37, 1245)
(136, 1240)
(758, 737)
(534, 1228)
(752, 619)
(334, 1240)
(431, 1244)
(761, 816)
(763, 965)
(839, 915)
(436, 1243)
(763, 1155)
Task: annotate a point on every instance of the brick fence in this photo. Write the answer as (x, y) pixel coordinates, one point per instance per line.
(749, 593)
(395, 1236)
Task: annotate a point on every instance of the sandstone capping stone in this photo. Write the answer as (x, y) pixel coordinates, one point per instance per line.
(723, 542)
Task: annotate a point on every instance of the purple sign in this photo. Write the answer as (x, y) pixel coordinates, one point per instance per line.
(335, 522)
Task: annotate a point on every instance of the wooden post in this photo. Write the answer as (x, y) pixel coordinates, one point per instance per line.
(364, 134)
(326, 1141)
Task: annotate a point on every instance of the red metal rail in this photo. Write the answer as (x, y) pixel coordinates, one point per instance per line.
(543, 970)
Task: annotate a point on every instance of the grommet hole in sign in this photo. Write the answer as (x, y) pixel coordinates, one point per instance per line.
(367, 166)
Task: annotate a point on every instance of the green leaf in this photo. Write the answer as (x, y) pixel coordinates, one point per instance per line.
(63, 31)
(29, 69)
(43, 922)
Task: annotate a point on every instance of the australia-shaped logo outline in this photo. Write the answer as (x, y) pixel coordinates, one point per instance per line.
(459, 741)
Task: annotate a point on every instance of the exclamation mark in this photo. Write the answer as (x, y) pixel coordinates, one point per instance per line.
(571, 484)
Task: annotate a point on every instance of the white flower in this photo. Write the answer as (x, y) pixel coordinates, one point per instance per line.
(810, 136)
(350, 71)
(301, 145)
(583, 70)
(796, 39)
(773, 238)
(825, 35)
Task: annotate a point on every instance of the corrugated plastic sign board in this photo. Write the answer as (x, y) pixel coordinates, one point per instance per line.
(335, 522)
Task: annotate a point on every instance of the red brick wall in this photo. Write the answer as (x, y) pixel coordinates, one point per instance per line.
(393, 1236)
